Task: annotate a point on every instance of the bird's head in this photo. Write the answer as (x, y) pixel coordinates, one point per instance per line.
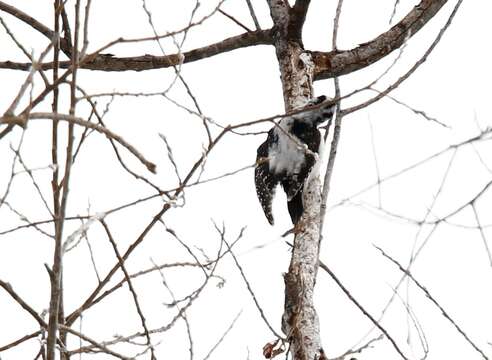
(316, 101)
(320, 112)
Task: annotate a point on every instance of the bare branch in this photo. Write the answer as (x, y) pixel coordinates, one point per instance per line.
(29, 79)
(8, 288)
(253, 15)
(35, 24)
(94, 343)
(223, 336)
(338, 63)
(433, 300)
(412, 69)
(79, 121)
(99, 117)
(164, 328)
(106, 62)
(336, 132)
(248, 285)
(483, 135)
(90, 300)
(130, 287)
(393, 13)
(20, 341)
(414, 110)
(182, 314)
(12, 171)
(234, 20)
(359, 350)
(482, 233)
(361, 308)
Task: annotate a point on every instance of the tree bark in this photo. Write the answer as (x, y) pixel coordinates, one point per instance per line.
(300, 320)
(337, 63)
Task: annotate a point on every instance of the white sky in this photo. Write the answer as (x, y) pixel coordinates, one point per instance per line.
(453, 86)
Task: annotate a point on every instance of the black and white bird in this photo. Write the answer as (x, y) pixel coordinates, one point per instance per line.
(288, 156)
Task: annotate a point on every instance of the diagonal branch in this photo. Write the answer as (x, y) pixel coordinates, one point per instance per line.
(107, 62)
(234, 20)
(433, 300)
(335, 63)
(90, 300)
(70, 319)
(253, 15)
(8, 288)
(405, 76)
(35, 24)
(21, 121)
(362, 309)
(95, 343)
(130, 287)
(20, 341)
(327, 64)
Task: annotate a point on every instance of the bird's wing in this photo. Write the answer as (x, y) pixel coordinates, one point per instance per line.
(265, 181)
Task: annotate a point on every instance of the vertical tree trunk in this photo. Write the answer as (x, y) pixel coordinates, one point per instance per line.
(300, 320)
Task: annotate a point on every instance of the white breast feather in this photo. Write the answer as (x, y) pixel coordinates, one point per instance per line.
(286, 155)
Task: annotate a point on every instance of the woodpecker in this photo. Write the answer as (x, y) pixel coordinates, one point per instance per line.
(288, 155)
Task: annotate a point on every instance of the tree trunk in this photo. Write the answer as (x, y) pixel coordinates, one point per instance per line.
(300, 320)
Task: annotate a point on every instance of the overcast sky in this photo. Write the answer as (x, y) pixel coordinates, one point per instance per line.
(452, 87)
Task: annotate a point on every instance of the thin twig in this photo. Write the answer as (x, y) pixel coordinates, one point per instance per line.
(94, 343)
(482, 233)
(71, 119)
(362, 309)
(33, 180)
(393, 13)
(336, 133)
(376, 162)
(223, 336)
(411, 70)
(29, 79)
(8, 288)
(12, 170)
(414, 110)
(183, 314)
(130, 287)
(236, 21)
(99, 117)
(253, 15)
(20, 341)
(433, 300)
(161, 329)
(248, 285)
(359, 350)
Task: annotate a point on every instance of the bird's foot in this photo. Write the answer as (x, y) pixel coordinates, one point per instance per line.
(298, 228)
